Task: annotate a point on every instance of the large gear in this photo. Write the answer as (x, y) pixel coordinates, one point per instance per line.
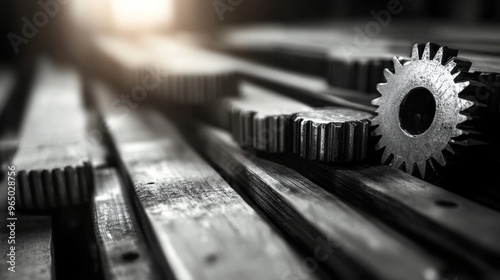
(421, 110)
(331, 134)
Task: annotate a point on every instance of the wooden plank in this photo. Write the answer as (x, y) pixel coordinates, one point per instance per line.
(193, 219)
(33, 254)
(363, 248)
(433, 215)
(52, 157)
(123, 250)
(33, 248)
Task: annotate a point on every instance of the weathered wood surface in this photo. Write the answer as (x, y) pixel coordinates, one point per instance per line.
(99, 153)
(193, 219)
(362, 247)
(34, 253)
(52, 157)
(431, 214)
(33, 244)
(123, 250)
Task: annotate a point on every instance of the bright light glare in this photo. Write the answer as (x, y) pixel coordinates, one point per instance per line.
(141, 14)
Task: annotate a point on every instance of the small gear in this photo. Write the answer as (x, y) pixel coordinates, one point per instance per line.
(331, 134)
(421, 112)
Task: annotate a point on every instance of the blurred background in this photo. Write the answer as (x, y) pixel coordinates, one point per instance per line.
(69, 21)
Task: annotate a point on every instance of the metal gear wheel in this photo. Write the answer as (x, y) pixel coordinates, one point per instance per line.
(331, 134)
(420, 111)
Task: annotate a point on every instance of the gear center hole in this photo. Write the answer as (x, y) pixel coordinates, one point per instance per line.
(417, 111)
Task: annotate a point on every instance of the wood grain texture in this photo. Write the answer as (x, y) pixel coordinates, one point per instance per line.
(33, 244)
(313, 217)
(193, 219)
(52, 157)
(34, 253)
(122, 246)
(431, 214)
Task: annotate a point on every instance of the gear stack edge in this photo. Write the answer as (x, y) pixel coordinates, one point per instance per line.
(331, 134)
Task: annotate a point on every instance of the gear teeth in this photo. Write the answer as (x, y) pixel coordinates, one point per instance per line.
(397, 64)
(426, 55)
(456, 133)
(385, 155)
(440, 158)
(44, 190)
(331, 134)
(409, 167)
(461, 65)
(439, 56)
(432, 51)
(462, 86)
(457, 65)
(449, 149)
(456, 91)
(398, 162)
(387, 74)
(415, 53)
(462, 118)
(421, 166)
(380, 88)
(450, 66)
(465, 104)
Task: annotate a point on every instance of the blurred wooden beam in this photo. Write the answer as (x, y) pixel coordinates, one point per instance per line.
(123, 250)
